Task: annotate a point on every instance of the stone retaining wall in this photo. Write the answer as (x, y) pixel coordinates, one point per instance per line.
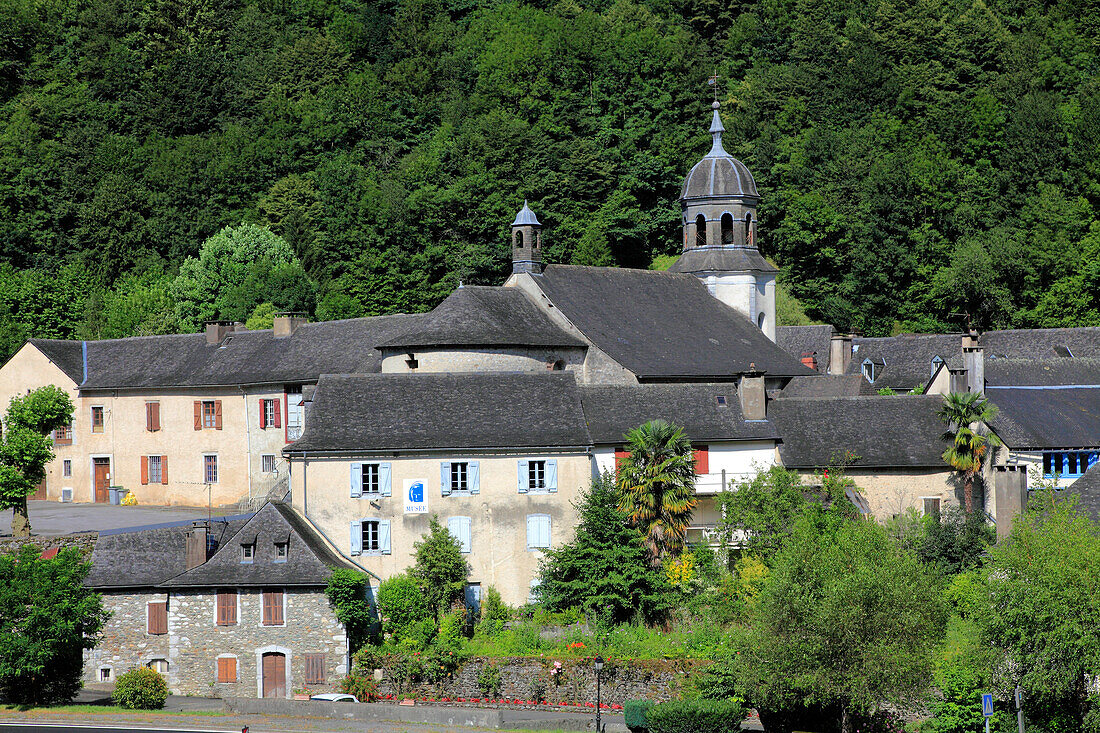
(85, 543)
(535, 678)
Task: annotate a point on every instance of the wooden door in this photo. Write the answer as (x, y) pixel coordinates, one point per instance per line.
(102, 478)
(274, 675)
(39, 492)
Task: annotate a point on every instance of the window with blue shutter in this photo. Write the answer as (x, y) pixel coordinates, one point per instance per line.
(474, 477)
(521, 477)
(538, 531)
(460, 528)
(551, 475)
(356, 480)
(384, 473)
(384, 536)
(445, 478)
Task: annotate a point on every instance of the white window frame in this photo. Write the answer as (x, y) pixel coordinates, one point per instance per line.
(374, 488)
(532, 476)
(213, 414)
(939, 499)
(465, 484)
(153, 660)
(91, 419)
(269, 414)
(868, 370)
(286, 551)
(248, 558)
(377, 536)
(110, 673)
(264, 461)
(67, 468)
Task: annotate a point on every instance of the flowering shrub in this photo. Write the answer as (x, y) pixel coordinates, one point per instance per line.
(361, 685)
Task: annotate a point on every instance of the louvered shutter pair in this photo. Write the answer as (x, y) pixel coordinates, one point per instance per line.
(459, 527)
(227, 608)
(273, 608)
(227, 669)
(145, 470)
(538, 531)
(315, 669)
(523, 477)
(158, 618)
(217, 415)
(152, 416)
(383, 536)
(384, 479)
(473, 477)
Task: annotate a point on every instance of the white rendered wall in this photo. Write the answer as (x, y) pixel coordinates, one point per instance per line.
(751, 294)
(735, 461)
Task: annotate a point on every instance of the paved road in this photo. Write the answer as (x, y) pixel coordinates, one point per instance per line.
(76, 728)
(55, 518)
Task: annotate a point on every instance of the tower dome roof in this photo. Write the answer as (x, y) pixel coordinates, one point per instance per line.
(526, 217)
(719, 174)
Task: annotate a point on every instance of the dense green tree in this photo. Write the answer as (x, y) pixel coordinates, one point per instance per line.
(967, 416)
(1041, 609)
(440, 570)
(605, 569)
(26, 447)
(847, 620)
(47, 619)
(656, 484)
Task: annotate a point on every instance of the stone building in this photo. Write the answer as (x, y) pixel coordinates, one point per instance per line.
(226, 608)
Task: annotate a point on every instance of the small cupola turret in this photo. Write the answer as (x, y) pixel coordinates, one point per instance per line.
(526, 242)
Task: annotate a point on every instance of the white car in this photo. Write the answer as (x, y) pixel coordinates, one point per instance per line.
(334, 697)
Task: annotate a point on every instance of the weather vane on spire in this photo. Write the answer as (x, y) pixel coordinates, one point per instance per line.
(713, 81)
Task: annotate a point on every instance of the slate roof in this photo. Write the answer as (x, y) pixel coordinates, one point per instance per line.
(722, 259)
(244, 357)
(144, 558)
(1087, 490)
(309, 561)
(613, 410)
(67, 355)
(719, 174)
(662, 325)
(883, 432)
(1061, 417)
(799, 340)
(484, 316)
(1042, 372)
(387, 412)
(1041, 343)
(827, 386)
(905, 360)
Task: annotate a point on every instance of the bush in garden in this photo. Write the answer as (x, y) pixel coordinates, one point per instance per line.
(361, 685)
(140, 689)
(402, 606)
(493, 613)
(488, 681)
(634, 712)
(695, 716)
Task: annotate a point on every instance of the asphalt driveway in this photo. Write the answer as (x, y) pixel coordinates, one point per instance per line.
(55, 518)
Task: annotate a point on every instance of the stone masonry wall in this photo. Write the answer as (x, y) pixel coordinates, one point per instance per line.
(125, 642)
(85, 543)
(197, 642)
(527, 678)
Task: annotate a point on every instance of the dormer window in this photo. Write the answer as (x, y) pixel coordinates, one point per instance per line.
(281, 549)
(869, 370)
(721, 400)
(411, 362)
(937, 362)
(248, 552)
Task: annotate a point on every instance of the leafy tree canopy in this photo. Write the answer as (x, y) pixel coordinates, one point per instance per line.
(440, 570)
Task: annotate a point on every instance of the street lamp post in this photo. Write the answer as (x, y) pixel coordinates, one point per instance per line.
(598, 664)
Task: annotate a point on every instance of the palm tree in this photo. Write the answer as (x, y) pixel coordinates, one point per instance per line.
(657, 486)
(967, 416)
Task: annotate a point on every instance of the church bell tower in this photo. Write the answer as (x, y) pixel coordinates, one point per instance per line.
(526, 242)
(719, 201)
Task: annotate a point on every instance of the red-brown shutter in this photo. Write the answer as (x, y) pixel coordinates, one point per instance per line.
(315, 669)
(227, 608)
(158, 618)
(144, 470)
(278, 414)
(217, 414)
(164, 469)
(152, 416)
(198, 415)
(702, 459)
(620, 456)
(273, 608)
(227, 669)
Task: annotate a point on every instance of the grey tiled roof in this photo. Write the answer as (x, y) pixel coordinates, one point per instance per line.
(799, 340)
(67, 355)
(387, 412)
(1041, 343)
(1087, 490)
(613, 410)
(722, 259)
(245, 357)
(309, 561)
(484, 316)
(827, 386)
(1067, 417)
(1042, 372)
(147, 557)
(901, 431)
(662, 325)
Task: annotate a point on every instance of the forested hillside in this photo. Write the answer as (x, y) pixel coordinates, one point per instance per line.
(919, 161)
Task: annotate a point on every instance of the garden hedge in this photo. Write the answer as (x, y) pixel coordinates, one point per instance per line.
(695, 716)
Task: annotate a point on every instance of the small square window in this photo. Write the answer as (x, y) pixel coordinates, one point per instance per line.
(267, 463)
(248, 553)
(281, 549)
(106, 674)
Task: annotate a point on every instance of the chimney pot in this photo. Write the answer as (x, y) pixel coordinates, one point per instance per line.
(840, 353)
(216, 331)
(753, 396)
(287, 323)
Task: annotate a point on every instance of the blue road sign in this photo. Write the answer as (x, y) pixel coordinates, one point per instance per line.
(987, 704)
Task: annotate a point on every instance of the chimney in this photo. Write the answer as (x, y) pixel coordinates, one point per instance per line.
(216, 331)
(809, 359)
(840, 353)
(974, 360)
(754, 399)
(197, 545)
(1010, 485)
(958, 381)
(287, 323)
